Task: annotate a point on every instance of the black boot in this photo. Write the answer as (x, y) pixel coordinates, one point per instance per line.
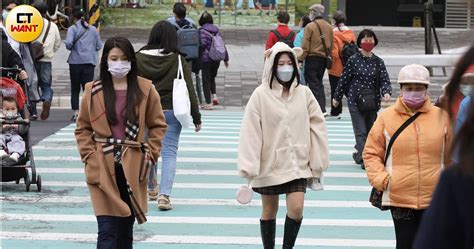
(292, 227)
(267, 231)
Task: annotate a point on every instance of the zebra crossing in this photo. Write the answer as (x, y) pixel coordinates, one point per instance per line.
(205, 213)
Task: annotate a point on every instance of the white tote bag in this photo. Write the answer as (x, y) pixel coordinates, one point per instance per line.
(181, 103)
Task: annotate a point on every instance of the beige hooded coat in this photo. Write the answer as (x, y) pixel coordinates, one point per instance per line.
(282, 139)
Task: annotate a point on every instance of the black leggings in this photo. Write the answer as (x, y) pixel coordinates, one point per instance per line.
(80, 75)
(406, 223)
(209, 73)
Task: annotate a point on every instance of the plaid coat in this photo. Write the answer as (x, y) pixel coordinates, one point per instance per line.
(99, 158)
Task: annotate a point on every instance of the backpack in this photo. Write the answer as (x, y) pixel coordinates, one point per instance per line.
(188, 41)
(287, 40)
(217, 51)
(347, 51)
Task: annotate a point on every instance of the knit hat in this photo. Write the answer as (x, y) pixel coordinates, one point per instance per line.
(317, 9)
(414, 73)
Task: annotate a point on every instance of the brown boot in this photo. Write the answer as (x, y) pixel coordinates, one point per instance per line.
(45, 112)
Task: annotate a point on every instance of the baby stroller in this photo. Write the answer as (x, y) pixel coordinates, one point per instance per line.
(26, 163)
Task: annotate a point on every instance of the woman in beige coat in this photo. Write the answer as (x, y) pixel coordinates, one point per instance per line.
(283, 145)
(111, 140)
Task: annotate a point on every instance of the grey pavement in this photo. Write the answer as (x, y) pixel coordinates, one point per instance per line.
(246, 46)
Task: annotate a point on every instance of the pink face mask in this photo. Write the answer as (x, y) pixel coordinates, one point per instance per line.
(414, 99)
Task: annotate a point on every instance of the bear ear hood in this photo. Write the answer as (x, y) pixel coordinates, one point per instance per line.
(270, 55)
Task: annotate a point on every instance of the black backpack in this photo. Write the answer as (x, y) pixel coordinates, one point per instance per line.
(287, 40)
(347, 51)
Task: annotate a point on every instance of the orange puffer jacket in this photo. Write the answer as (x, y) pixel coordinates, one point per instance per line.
(416, 159)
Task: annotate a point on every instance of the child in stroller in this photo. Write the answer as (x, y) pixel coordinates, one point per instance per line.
(12, 145)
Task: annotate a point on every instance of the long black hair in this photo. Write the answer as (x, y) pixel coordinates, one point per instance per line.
(464, 140)
(134, 93)
(78, 14)
(296, 73)
(163, 36)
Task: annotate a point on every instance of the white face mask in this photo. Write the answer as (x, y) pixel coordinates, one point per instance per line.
(285, 73)
(119, 69)
(9, 114)
(466, 89)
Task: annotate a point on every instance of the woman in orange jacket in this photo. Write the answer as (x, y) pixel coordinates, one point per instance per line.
(411, 171)
(343, 36)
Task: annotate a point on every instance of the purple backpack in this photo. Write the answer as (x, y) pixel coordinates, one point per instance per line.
(217, 51)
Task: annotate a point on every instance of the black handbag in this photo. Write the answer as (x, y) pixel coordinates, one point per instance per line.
(368, 99)
(376, 195)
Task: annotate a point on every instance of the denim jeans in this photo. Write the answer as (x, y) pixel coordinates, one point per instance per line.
(169, 154)
(361, 123)
(45, 79)
(115, 232)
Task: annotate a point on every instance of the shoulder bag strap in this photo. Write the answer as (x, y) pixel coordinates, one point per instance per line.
(321, 35)
(47, 31)
(78, 38)
(180, 74)
(397, 133)
(277, 34)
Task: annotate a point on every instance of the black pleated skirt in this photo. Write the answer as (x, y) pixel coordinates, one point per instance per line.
(298, 185)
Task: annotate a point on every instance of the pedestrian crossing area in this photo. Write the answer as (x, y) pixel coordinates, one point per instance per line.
(205, 213)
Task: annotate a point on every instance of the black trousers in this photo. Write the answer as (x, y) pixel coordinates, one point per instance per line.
(333, 80)
(314, 68)
(361, 123)
(209, 73)
(80, 75)
(406, 223)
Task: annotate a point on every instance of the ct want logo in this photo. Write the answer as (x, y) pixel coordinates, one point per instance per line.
(24, 23)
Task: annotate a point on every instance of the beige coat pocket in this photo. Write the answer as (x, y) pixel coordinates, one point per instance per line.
(302, 156)
(290, 158)
(92, 169)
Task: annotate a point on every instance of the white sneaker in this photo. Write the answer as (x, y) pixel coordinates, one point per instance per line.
(3, 154)
(325, 114)
(14, 157)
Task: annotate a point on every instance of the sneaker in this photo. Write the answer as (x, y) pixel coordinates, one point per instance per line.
(45, 112)
(15, 157)
(3, 154)
(207, 107)
(164, 203)
(153, 194)
(215, 100)
(356, 159)
(335, 116)
(12, 159)
(33, 117)
(74, 117)
(325, 114)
